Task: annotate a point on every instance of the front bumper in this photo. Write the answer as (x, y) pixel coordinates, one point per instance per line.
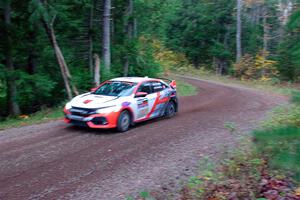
(108, 120)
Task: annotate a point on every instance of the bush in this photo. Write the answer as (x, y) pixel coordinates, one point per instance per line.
(285, 115)
(34, 91)
(296, 97)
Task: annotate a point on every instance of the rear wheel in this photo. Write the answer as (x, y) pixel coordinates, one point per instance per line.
(170, 110)
(124, 121)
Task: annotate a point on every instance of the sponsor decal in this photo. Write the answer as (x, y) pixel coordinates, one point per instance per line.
(142, 103)
(165, 94)
(142, 113)
(87, 101)
(125, 104)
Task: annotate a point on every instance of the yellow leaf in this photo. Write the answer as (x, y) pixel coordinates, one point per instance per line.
(297, 192)
(24, 116)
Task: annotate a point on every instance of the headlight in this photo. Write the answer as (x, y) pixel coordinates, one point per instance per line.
(68, 106)
(107, 109)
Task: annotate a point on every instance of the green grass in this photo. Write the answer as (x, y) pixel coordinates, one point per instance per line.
(281, 146)
(186, 89)
(44, 115)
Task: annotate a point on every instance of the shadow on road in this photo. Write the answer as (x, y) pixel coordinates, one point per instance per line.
(86, 130)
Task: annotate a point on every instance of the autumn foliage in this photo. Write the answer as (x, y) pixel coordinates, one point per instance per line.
(256, 68)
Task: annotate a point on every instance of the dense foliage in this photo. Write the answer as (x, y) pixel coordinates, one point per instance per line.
(147, 37)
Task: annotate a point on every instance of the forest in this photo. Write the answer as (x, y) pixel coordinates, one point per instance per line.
(52, 50)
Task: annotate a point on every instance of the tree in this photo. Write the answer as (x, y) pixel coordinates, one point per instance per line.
(90, 36)
(202, 31)
(106, 34)
(129, 31)
(239, 30)
(289, 49)
(97, 70)
(11, 82)
(48, 20)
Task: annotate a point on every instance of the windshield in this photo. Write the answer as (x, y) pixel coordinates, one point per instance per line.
(116, 88)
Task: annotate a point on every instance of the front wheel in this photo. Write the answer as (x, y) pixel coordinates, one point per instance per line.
(170, 110)
(124, 121)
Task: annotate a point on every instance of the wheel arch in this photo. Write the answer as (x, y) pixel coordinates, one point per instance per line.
(130, 111)
(175, 101)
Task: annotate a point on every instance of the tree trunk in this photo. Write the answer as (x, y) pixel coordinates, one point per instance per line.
(215, 65)
(239, 31)
(135, 24)
(59, 56)
(32, 53)
(126, 66)
(130, 21)
(90, 37)
(223, 61)
(106, 35)
(13, 107)
(266, 30)
(129, 29)
(61, 61)
(97, 70)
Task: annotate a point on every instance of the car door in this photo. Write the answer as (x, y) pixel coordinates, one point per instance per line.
(145, 104)
(160, 89)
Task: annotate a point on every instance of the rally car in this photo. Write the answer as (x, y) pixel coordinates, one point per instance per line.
(122, 102)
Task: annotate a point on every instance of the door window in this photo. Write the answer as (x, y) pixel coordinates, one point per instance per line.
(145, 87)
(158, 86)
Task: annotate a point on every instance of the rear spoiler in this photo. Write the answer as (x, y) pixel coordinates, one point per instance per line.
(172, 83)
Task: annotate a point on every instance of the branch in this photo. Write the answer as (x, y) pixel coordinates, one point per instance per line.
(52, 21)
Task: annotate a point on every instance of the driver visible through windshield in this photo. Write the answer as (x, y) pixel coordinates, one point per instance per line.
(116, 89)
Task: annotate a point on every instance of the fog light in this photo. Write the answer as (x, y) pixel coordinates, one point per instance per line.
(100, 121)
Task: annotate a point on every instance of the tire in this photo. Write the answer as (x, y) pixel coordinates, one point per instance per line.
(170, 110)
(124, 121)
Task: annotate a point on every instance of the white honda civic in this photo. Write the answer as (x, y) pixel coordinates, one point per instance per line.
(121, 102)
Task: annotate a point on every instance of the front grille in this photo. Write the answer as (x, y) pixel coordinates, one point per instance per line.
(82, 112)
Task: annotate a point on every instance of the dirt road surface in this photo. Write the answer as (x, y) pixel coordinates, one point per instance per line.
(56, 161)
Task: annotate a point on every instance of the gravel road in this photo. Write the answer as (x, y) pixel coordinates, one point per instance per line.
(57, 161)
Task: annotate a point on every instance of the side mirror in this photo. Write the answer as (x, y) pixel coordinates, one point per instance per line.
(141, 94)
(93, 89)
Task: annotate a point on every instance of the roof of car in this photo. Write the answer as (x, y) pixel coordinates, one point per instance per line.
(134, 79)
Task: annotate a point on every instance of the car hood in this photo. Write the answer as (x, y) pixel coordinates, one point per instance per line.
(90, 100)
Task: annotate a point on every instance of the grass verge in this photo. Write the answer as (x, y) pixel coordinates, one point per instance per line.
(44, 115)
(186, 89)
